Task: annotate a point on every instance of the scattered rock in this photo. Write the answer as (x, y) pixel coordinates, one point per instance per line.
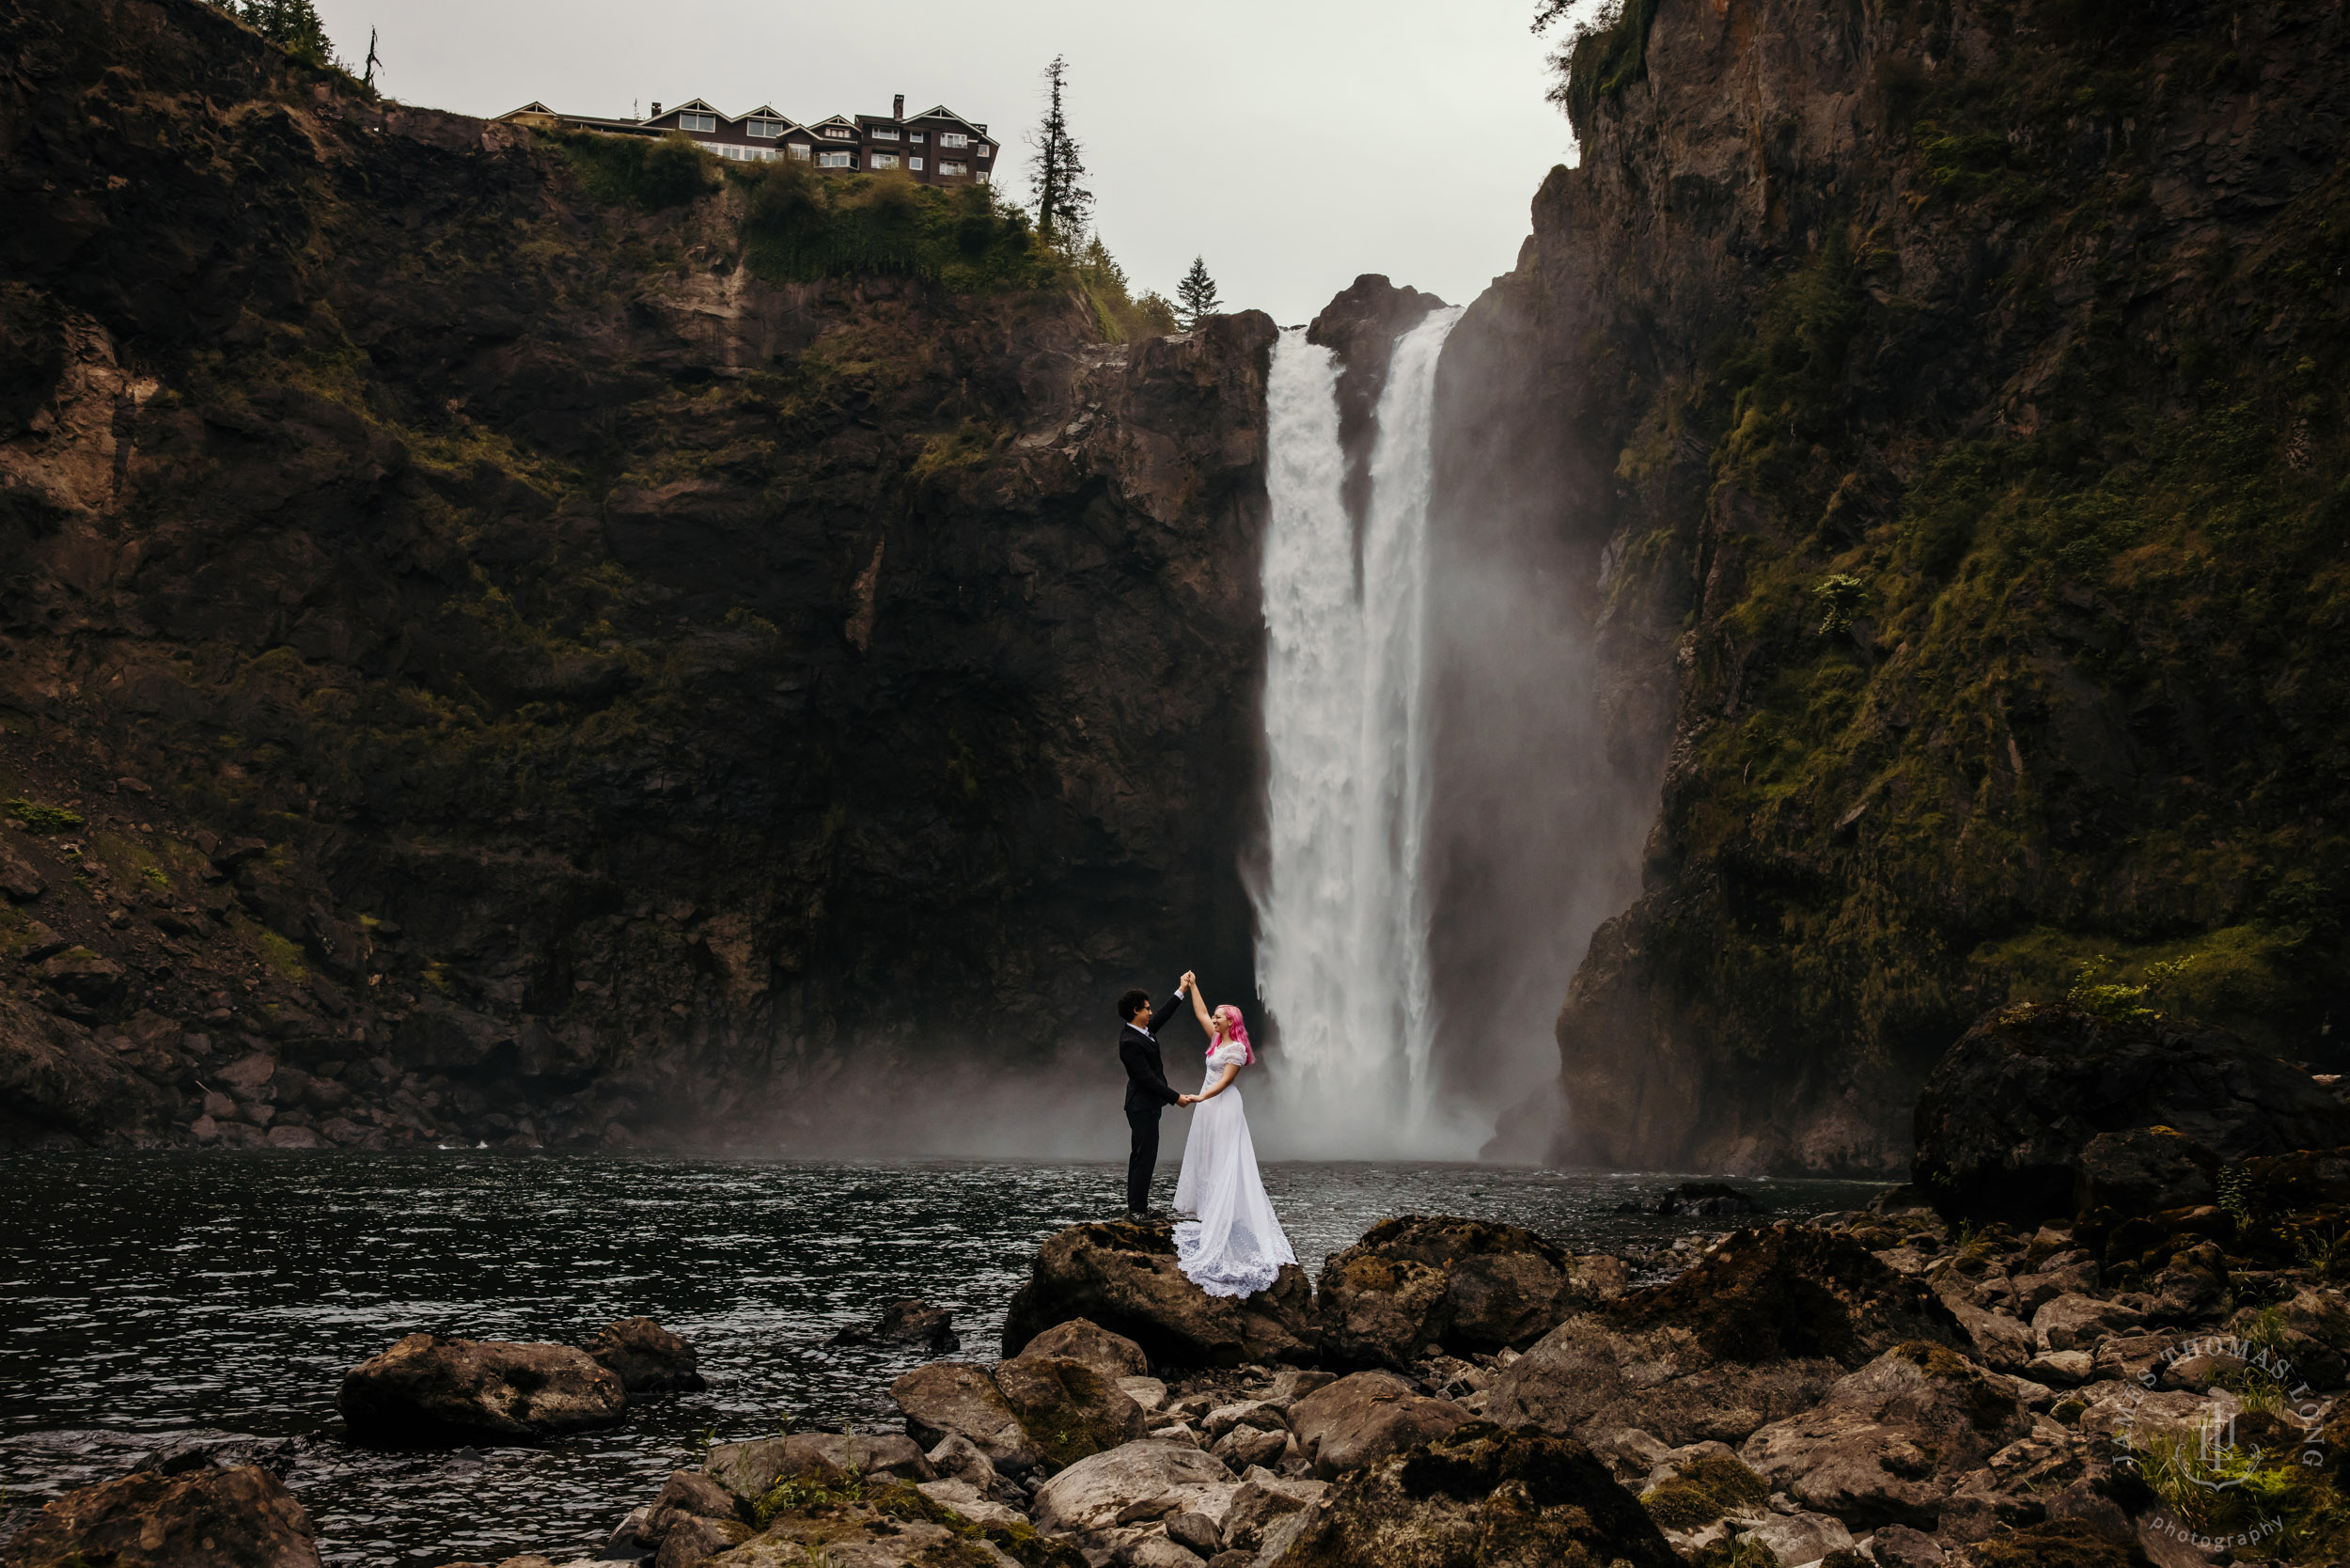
(1362, 1419)
(691, 1537)
(2006, 1117)
(1123, 1277)
(1799, 1537)
(1195, 1532)
(1755, 1331)
(971, 1501)
(2144, 1170)
(1263, 1497)
(694, 1492)
(1711, 1199)
(87, 977)
(1891, 1440)
(1113, 1355)
(18, 879)
(1069, 1409)
(1900, 1546)
(748, 1471)
(1468, 1285)
(908, 1322)
(959, 1399)
(2076, 1322)
(646, 1358)
(1482, 1496)
(240, 1517)
(959, 1457)
(429, 1390)
(1098, 1500)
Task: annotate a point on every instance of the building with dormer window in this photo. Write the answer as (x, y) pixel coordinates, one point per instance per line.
(936, 146)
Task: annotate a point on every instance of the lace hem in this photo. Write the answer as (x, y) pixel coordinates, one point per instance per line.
(1240, 1271)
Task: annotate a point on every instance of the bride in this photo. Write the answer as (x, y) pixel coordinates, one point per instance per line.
(1236, 1246)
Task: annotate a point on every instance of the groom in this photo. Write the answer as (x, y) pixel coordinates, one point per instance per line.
(1147, 1088)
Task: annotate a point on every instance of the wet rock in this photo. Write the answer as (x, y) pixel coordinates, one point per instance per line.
(1901, 1547)
(1467, 1285)
(2144, 1170)
(2074, 1322)
(959, 1399)
(1709, 1199)
(1753, 1332)
(1360, 326)
(908, 1322)
(1479, 1498)
(1113, 1355)
(691, 1537)
(970, 1502)
(1798, 1538)
(427, 1388)
(1069, 1408)
(295, 1138)
(1362, 1419)
(1263, 1497)
(959, 1457)
(2006, 1118)
(748, 1471)
(646, 1358)
(242, 1517)
(1099, 1501)
(694, 1492)
(1123, 1277)
(1891, 1440)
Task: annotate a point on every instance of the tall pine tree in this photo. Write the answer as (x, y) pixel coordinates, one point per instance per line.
(1195, 297)
(293, 26)
(1057, 181)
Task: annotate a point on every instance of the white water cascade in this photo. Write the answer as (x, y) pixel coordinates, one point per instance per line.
(1342, 915)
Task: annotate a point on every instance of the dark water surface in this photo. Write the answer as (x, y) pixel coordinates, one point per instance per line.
(144, 1295)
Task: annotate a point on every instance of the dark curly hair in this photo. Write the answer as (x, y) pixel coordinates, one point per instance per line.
(1132, 1003)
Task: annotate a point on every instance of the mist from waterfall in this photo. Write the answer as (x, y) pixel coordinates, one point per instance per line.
(1343, 907)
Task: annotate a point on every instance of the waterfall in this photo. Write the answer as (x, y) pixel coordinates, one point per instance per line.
(1342, 911)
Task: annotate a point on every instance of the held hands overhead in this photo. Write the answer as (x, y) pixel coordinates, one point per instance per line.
(1187, 986)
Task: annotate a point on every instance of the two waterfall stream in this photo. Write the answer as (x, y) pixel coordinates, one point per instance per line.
(1343, 909)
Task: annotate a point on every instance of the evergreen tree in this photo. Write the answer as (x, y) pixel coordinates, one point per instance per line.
(1195, 297)
(1056, 181)
(293, 26)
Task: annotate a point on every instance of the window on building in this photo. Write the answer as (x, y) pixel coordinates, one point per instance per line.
(767, 128)
(917, 136)
(801, 150)
(948, 166)
(881, 132)
(836, 160)
(838, 133)
(954, 138)
(983, 177)
(985, 150)
(746, 154)
(882, 160)
(914, 163)
(697, 122)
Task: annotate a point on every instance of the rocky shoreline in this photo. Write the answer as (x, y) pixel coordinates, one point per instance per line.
(2147, 1369)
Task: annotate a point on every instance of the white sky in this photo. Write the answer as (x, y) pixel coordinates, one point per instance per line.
(1293, 143)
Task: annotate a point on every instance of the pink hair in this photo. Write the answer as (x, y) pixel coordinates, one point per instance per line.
(1235, 1029)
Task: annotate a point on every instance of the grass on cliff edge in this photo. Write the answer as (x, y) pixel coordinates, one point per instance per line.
(800, 226)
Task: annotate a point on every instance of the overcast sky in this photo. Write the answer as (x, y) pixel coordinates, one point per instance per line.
(1293, 143)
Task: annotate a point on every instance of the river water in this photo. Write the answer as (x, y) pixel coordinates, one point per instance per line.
(149, 1295)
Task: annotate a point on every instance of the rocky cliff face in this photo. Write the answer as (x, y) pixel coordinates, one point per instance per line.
(1940, 397)
(477, 661)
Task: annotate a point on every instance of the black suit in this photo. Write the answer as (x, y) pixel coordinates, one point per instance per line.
(1146, 1091)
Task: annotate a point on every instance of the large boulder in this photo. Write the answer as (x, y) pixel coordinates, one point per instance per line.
(242, 1517)
(748, 1471)
(1891, 1441)
(1467, 1285)
(2006, 1117)
(1756, 1330)
(1106, 1501)
(647, 1358)
(961, 1400)
(1069, 1409)
(1123, 1277)
(1482, 1496)
(1362, 1418)
(429, 1390)
(1113, 1355)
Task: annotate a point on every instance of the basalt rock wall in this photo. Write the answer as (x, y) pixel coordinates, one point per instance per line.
(1932, 406)
(480, 662)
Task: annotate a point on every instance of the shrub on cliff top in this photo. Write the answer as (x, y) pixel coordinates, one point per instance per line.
(1604, 56)
(646, 173)
(800, 226)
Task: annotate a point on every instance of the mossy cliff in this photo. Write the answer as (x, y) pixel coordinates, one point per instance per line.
(1946, 399)
(589, 647)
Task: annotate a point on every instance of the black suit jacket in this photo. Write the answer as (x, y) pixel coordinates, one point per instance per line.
(1145, 1075)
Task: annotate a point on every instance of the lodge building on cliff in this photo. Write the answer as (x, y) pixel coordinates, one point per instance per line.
(936, 146)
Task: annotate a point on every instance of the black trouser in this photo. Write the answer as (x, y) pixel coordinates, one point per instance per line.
(1144, 1119)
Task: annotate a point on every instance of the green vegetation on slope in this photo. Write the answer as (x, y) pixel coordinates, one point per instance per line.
(1996, 697)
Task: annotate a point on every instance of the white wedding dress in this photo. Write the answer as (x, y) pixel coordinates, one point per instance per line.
(1236, 1246)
